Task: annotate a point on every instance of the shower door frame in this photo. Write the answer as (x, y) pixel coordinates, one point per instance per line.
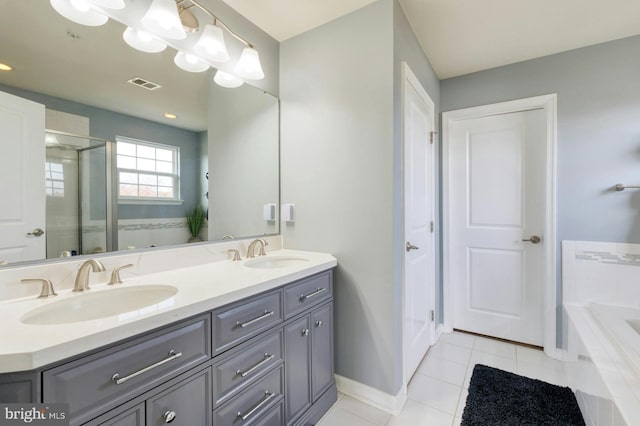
(111, 185)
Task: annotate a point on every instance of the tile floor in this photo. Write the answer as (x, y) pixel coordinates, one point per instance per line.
(438, 391)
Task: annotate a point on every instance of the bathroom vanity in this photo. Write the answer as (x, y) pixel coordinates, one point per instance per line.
(259, 353)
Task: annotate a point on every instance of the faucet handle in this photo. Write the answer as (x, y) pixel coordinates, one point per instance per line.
(47, 287)
(236, 255)
(115, 275)
(264, 244)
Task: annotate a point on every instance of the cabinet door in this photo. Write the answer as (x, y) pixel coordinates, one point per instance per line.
(297, 345)
(186, 404)
(131, 417)
(321, 350)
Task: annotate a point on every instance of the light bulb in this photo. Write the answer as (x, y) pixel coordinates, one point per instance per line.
(143, 41)
(225, 79)
(190, 62)
(144, 36)
(191, 58)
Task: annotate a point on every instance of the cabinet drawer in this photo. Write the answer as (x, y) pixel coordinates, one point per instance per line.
(186, 404)
(275, 417)
(238, 322)
(132, 417)
(306, 293)
(248, 407)
(245, 366)
(89, 385)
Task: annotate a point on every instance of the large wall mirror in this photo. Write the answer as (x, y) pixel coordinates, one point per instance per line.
(133, 145)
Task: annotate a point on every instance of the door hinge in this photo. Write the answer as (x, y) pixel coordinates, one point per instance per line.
(432, 137)
(433, 315)
(432, 226)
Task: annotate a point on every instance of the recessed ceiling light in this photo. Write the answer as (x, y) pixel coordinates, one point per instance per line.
(5, 67)
(169, 115)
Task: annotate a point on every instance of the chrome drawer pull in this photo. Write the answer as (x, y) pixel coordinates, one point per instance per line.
(172, 355)
(266, 314)
(266, 359)
(310, 295)
(267, 397)
(169, 416)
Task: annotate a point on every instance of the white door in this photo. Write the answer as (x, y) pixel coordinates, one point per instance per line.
(497, 202)
(419, 250)
(22, 187)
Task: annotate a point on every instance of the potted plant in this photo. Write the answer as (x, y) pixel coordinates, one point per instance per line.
(195, 220)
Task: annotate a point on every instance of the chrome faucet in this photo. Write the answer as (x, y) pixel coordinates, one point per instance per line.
(82, 279)
(252, 248)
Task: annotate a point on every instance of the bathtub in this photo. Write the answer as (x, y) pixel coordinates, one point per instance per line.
(622, 324)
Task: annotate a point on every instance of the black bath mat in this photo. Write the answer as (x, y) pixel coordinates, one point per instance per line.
(497, 397)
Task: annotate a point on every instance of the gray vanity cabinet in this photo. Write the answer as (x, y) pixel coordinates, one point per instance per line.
(321, 350)
(297, 361)
(185, 404)
(265, 360)
(309, 349)
(132, 417)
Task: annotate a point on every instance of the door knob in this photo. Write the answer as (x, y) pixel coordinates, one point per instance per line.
(36, 232)
(534, 239)
(411, 247)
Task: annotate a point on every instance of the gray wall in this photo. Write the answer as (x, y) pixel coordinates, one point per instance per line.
(108, 124)
(243, 161)
(407, 49)
(340, 153)
(598, 131)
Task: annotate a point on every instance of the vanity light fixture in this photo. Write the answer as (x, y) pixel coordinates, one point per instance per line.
(189, 62)
(166, 20)
(162, 19)
(211, 44)
(225, 79)
(143, 41)
(80, 11)
(5, 67)
(249, 64)
(170, 115)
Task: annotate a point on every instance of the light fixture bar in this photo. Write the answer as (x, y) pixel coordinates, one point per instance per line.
(216, 20)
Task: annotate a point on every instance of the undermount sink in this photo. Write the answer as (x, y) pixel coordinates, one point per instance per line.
(273, 262)
(123, 301)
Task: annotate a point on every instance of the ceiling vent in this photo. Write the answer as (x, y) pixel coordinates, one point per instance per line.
(146, 84)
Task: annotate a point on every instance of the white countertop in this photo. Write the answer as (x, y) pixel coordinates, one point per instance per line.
(201, 288)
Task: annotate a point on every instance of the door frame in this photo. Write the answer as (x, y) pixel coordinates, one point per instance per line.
(409, 79)
(549, 104)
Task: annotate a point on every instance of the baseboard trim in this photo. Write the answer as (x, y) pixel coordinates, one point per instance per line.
(391, 404)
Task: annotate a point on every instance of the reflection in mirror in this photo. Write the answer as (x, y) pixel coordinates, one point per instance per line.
(97, 105)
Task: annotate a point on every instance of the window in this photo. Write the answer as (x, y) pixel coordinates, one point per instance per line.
(147, 172)
(54, 179)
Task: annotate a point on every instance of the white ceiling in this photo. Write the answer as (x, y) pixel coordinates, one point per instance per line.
(464, 36)
(283, 19)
